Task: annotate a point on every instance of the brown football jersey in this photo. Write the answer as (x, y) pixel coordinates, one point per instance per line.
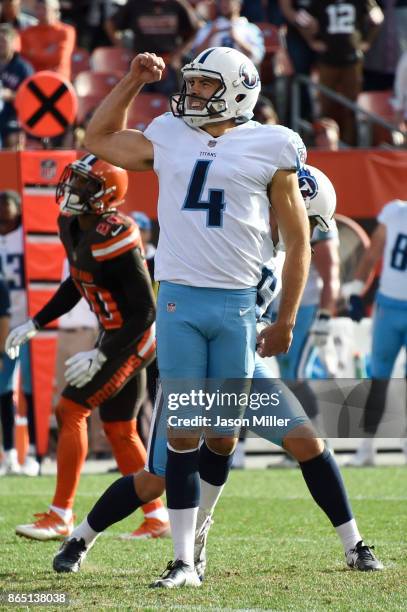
(342, 25)
(90, 254)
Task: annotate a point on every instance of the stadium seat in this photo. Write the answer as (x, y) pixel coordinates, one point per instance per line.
(80, 61)
(86, 104)
(379, 103)
(144, 108)
(272, 37)
(111, 59)
(98, 84)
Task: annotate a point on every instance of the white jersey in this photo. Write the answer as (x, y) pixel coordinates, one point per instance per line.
(393, 279)
(213, 207)
(12, 268)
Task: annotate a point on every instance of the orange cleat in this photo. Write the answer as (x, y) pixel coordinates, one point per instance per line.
(149, 528)
(48, 526)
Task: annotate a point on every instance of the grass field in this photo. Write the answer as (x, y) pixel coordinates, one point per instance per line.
(270, 548)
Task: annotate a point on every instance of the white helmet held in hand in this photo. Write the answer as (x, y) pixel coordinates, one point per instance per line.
(319, 196)
(236, 96)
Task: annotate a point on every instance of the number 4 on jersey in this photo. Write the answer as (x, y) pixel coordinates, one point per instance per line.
(215, 203)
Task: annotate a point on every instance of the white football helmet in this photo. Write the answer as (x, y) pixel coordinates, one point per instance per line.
(239, 88)
(319, 196)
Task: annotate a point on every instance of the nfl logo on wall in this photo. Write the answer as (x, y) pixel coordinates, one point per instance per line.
(171, 307)
(48, 169)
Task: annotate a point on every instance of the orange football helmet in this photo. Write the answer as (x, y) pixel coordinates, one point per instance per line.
(91, 186)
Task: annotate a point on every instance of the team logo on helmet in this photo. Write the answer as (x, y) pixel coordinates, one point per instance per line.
(308, 185)
(250, 77)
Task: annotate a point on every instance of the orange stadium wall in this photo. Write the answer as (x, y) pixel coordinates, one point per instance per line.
(364, 180)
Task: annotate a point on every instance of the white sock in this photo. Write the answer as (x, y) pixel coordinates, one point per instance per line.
(85, 531)
(161, 514)
(209, 496)
(11, 454)
(239, 456)
(183, 524)
(349, 534)
(64, 513)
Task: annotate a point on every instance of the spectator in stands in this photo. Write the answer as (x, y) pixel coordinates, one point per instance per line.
(381, 60)
(344, 32)
(50, 44)
(400, 92)
(300, 52)
(11, 13)
(264, 111)
(165, 27)
(13, 71)
(88, 18)
(205, 10)
(230, 29)
(254, 10)
(326, 134)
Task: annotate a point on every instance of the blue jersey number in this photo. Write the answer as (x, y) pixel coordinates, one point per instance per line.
(12, 268)
(214, 205)
(399, 253)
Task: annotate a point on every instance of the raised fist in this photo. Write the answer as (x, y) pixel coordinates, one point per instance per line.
(147, 67)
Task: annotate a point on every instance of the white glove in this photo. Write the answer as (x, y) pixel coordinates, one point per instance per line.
(82, 367)
(260, 325)
(320, 329)
(354, 287)
(18, 336)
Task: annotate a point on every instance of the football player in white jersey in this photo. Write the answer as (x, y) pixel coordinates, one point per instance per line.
(312, 327)
(389, 241)
(12, 268)
(218, 173)
(318, 466)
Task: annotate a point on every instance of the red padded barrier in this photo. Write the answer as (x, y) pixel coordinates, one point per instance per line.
(43, 261)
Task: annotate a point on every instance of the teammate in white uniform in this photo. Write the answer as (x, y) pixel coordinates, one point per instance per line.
(389, 241)
(218, 173)
(322, 287)
(318, 466)
(12, 268)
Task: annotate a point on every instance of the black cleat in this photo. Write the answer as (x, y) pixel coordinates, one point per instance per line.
(70, 555)
(362, 558)
(177, 574)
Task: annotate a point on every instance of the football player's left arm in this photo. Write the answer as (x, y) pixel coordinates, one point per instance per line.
(288, 206)
(61, 302)
(369, 260)
(326, 261)
(138, 293)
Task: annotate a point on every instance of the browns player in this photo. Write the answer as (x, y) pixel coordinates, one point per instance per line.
(107, 268)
